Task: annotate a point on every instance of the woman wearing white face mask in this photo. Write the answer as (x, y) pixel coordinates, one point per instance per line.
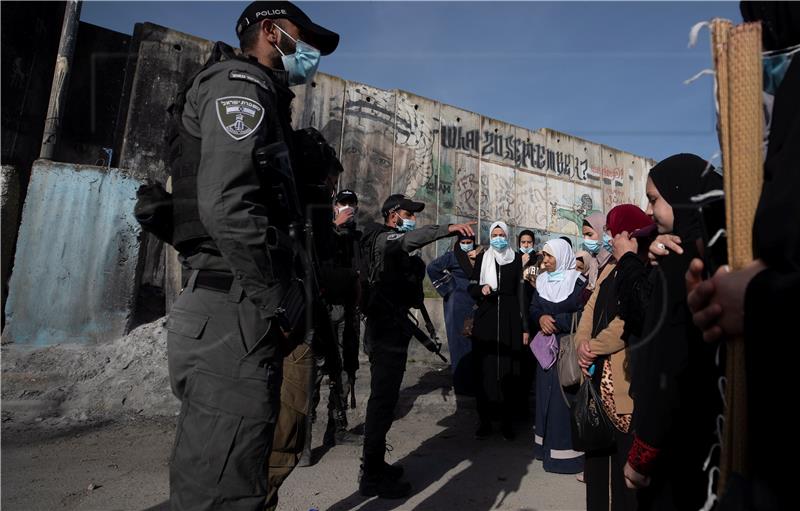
(450, 275)
(557, 297)
(500, 330)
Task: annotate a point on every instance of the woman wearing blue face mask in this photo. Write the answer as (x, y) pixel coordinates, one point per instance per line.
(450, 274)
(598, 244)
(557, 297)
(499, 332)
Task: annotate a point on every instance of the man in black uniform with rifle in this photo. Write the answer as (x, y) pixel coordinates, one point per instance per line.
(395, 286)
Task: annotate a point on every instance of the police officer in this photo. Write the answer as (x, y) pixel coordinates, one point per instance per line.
(226, 326)
(395, 285)
(342, 286)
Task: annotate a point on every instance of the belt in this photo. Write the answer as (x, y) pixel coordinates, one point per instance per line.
(214, 280)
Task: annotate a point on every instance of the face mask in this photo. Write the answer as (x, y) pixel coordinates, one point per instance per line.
(526, 250)
(591, 246)
(466, 247)
(775, 66)
(406, 225)
(302, 64)
(555, 276)
(607, 242)
(499, 243)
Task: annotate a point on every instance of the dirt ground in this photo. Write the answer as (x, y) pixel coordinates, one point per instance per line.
(78, 439)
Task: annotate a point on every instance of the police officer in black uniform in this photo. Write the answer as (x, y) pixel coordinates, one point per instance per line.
(226, 327)
(395, 279)
(342, 291)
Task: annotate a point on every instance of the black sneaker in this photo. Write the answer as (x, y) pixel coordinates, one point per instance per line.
(484, 430)
(393, 471)
(383, 486)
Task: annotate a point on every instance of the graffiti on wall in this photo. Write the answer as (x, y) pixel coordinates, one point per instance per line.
(519, 152)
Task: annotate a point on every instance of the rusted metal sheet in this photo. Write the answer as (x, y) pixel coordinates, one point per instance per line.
(74, 273)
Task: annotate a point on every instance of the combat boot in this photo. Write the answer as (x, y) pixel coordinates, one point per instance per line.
(380, 484)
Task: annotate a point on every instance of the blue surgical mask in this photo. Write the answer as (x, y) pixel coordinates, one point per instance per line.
(466, 247)
(591, 246)
(607, 242)
(407, 225)
(555, 276)
(775, 66)
(499, 243)
(302, 64)
(526, 250)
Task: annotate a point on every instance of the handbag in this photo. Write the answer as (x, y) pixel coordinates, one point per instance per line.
(592, 428)
(469, 321)
(545, 349)
(569, 372)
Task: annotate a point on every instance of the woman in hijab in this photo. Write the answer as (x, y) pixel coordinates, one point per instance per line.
(673, 374)
(557, 296)
(499, 332)
(597, 243)
(599, 341)
(526, 239)
(450, 275)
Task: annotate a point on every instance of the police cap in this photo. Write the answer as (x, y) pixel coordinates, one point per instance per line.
(347, 197)
(400, 201)
(323, 39)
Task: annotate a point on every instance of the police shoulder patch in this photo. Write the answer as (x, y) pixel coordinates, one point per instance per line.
(395, 236)
(239, 116)
(247, 77)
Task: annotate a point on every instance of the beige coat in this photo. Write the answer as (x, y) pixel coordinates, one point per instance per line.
(608, 342)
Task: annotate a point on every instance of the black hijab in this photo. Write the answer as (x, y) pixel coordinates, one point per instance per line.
(673, 372)
(461, 257)
(679, 178)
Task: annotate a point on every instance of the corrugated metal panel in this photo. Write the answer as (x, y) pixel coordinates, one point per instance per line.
(75, 265)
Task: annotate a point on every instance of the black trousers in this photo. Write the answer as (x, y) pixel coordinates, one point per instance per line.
(387, 348)
(224, 367)
(605, 480)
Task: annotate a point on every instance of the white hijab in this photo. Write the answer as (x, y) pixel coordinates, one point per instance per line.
(557, 286)
(492, 255)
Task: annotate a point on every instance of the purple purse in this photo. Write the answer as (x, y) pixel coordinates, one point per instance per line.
(545, 349)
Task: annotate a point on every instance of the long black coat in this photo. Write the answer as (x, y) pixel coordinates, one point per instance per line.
(507, 303)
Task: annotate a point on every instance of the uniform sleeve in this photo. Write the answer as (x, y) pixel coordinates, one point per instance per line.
(411, 241)
(235, 117)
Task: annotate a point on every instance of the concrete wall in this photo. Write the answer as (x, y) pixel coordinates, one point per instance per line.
(465, 166)
(74, 275)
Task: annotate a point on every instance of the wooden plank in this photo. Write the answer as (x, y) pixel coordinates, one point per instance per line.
(459, 162)
(367, 147)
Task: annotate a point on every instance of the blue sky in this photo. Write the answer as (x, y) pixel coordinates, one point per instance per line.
(610, 72)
